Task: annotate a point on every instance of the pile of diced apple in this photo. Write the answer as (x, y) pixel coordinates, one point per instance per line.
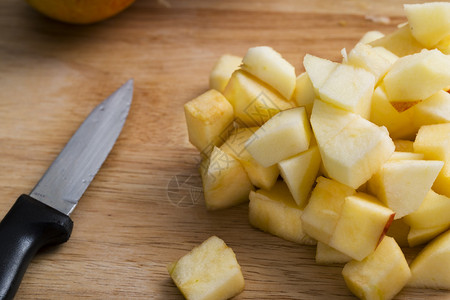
(342, 154)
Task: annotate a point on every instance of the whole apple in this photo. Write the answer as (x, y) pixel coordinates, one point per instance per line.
(80, 11)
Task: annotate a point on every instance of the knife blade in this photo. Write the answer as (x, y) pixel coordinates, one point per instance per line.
(43, 217)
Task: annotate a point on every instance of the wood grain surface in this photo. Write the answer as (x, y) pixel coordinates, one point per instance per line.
(145, 209)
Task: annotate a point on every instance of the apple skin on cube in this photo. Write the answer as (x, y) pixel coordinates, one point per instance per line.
(269, 66)
(276, 212)
(235, 146)
(207, 117)
(381, 275)
(253, 101)
(399, 124)
(362, 224)
(403, 184)
(318, 70)
(430, 269)
(222, 71)
(209, 272)
(225, 182)
(429, 22)
(400, 42)
(323, 210)
(286, 134)
(299, 173)
(349, 88)
(418, 76)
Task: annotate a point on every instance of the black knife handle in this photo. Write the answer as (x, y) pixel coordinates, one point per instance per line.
(28, 226)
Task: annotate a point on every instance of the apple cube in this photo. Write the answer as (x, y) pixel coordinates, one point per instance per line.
(276, 212)
(434, 211)
(400, 42)
(403, 184)
(299, 172)
(286, 134)
(269, 66)
(399, 230)
(208, 118)
(222, 70)
(399, 124)
(361, 226)
(327, 121)
(433, 110)
(371, 36)
(406, 156)
(323, 210)
(418, 76)
(375, 60)
(381, 275)
(325, 255)
(430, 269)
(253, 101)
(260, 176)
(318, 70)
(404, 145)
(419, 236)
(304, 92)
(225, 182)
(429, 22)
(434, 142)
(209, 271)
(349, 88)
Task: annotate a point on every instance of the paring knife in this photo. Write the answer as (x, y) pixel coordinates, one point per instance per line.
(42, 218)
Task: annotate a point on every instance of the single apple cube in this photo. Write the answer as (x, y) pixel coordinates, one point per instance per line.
(430, 269)
(276, 212)
(404, 145)
(325, 255)
(299, 172)
(254, 102)
(434, 142)
(419, 236)
(399, 124)
(327, 121)
(349, 88)
(208, 119)
(361, 226)
(434, 211)
(286, 134)
(381, 275)
(418, 76)
(400, 42)
(433, 110)
(235, 146)
(318, 70)
(222, 70)
(375, 60)
(357, 152)
(371, 36)
(209, 271)
(399, 230)
(323, 210)
(403, 184)
(304, 92)
(225, 182)
(429, 22)
(269, 66)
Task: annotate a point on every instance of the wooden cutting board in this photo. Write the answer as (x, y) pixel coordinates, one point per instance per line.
(145, 208)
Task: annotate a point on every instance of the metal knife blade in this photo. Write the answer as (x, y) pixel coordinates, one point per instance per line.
(72, 171)
(42, 218)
